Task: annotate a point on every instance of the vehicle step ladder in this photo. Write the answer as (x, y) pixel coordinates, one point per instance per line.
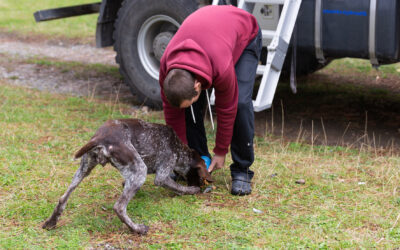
(276, 50)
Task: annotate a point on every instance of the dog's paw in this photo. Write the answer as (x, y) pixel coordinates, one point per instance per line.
(49, 224)
(142, 229)
(193, 190)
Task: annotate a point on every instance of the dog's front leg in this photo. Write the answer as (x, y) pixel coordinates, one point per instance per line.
(132, 185)
(88, 162)
(163, 179)
(134, 174)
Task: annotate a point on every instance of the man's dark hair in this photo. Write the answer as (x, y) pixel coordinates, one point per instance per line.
(179, 86)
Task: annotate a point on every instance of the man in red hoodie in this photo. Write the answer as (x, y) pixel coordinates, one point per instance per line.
(215, 47)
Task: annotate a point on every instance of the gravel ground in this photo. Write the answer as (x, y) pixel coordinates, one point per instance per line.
(54, 81)
(57, 50)
(15, 69)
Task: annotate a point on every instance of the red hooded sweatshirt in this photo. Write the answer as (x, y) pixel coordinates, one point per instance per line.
(209, 43)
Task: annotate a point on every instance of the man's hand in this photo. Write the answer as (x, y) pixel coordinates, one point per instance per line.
(217, 162)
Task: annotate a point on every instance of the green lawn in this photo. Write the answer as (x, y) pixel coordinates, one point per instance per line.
(350, 198)
(362, 67)
(17, 17)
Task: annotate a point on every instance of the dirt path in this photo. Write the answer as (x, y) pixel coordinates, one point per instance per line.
(16, 68)
(66, 51)
(330, 108)
(336, 111)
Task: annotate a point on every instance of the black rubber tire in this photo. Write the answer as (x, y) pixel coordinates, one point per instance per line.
(131, 16)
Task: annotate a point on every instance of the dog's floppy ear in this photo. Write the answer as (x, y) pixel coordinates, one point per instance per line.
(203, 172)
(198, 173)
(201, 168)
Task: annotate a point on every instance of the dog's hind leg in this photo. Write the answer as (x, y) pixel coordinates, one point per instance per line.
(88, 162)
(134, 172)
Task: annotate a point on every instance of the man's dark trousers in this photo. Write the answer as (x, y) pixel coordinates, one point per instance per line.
(243, 132)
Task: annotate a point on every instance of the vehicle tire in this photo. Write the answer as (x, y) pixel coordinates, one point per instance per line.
(142, 31)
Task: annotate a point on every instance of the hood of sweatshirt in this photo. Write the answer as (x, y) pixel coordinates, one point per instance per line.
(190, 56)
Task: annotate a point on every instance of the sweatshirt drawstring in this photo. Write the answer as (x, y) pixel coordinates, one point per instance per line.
(209, 109)
(194, 118)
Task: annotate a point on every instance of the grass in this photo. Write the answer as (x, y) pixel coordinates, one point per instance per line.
(350, 198)
(351, 66)
(17, 17)
(364, 66)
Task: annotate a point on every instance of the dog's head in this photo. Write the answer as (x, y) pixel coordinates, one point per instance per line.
(198, 174)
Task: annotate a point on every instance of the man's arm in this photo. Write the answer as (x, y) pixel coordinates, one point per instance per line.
(226, 96)
(226, 99)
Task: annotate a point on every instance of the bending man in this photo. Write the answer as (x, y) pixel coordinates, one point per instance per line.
(215, 47)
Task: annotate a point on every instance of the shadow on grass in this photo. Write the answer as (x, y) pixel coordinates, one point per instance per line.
(335, 109)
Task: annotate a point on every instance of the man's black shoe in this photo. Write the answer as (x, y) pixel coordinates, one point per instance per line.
(241, 184)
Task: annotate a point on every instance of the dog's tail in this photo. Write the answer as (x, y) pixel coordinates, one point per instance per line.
(91, 144)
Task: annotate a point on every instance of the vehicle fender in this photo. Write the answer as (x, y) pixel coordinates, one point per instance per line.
(105, 22)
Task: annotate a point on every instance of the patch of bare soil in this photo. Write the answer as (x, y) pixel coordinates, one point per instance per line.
(16, 69)
(66, 51)
(337, 110)
(54, 80)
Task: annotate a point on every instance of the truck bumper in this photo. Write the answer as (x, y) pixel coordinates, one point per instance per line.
(51, 14)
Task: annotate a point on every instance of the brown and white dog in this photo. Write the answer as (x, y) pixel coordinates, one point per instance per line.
(137, 148)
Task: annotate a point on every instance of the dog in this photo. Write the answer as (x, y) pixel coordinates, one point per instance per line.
(137, 148)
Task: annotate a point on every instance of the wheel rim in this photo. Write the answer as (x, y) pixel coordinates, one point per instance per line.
(147, 33)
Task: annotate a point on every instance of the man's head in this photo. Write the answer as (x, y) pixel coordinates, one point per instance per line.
(181, 88)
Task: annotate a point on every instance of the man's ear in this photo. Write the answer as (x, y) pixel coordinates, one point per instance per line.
(197, 85)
